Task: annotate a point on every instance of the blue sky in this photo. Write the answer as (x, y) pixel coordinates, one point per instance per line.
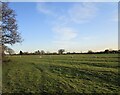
(73, 26)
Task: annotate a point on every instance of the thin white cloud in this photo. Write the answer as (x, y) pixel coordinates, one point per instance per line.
(43, 8)
(78, 13)
(88, 38)
(82, 12)
(64, 36)
(65, 33)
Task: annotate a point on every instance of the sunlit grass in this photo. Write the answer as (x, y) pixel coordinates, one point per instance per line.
(84, 73)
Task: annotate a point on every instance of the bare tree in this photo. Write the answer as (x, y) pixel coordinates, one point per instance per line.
(8, 25)
(10, 35)
(90, 51)
(21, 53)
(42, 52)
(37, 52)
(60, 51)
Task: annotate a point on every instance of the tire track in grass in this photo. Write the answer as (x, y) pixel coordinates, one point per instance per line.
(43, 71)
(85, 66)
(91, 63)
(104, 63)
(48, 78)
(89, 76)
(22, 79)
(74, 88)
(72, 72)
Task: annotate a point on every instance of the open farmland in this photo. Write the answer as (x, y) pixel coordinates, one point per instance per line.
(83, 73)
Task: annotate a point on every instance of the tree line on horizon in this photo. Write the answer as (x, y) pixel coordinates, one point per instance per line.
(62, 52)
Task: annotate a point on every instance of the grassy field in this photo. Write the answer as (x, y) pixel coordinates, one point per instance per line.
(84, 73)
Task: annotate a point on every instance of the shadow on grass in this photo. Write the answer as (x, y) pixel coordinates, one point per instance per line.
(6, 60)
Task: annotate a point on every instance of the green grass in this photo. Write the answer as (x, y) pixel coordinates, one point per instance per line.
(84, 73)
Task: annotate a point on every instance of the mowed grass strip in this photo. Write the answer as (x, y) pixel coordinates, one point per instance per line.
(84, 73)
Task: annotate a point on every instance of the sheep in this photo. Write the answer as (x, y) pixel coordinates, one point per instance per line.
(71, 56)
(40, 56)
(94, 56)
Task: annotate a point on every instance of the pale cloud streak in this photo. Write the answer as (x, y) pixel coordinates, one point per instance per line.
(64, 37)
(65, 33)
(78, 13)
(82, 12)
(43, 8)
